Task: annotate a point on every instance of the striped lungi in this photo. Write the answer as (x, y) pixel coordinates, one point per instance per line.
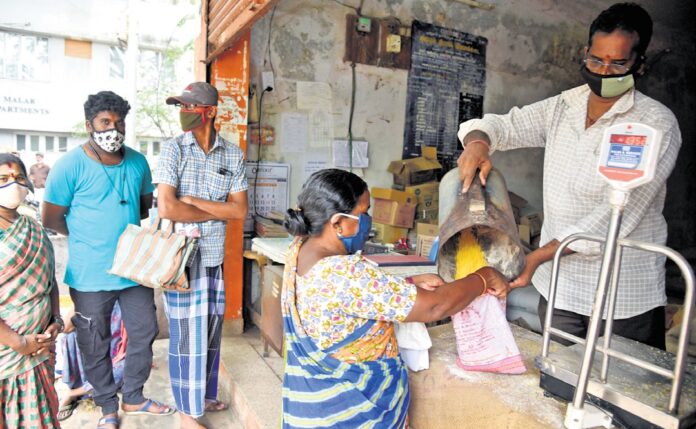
(195, 328)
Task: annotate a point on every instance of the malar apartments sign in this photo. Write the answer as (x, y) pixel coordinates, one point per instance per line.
(21, 105)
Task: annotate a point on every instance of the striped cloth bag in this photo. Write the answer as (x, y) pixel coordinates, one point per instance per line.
(153, 257)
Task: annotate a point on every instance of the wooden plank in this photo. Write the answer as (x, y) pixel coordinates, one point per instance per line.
(400, 60)
(230, 75)
(215, 5)
(226, 15)
(240, 26)
(200, 53)
(361, 48)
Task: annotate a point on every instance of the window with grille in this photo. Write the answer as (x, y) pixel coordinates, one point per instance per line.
(23, 57)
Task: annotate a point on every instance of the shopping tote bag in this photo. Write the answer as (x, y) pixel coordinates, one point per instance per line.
(153, 257)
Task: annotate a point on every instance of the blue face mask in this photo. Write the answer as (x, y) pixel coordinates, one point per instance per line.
(357, 241)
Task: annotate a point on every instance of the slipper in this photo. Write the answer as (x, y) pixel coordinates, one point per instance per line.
(111, 420)
(65, 411)
(215, 406)
(145, 409)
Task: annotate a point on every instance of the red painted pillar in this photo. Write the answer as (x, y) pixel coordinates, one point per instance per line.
(230, 75)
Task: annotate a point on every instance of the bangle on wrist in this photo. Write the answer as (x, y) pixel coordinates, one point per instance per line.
(485, 284)
(485, 143)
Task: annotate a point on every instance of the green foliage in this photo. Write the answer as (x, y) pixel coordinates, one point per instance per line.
(157, 80)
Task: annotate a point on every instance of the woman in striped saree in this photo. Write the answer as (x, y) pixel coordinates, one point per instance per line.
(28, 299)
(342, 364)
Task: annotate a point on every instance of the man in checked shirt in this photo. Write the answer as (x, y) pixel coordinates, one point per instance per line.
(570, 127)
(201, 183)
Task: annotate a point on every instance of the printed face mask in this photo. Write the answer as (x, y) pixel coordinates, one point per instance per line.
(109, 140)
(608, 86)
(192, 118)
(357, 241)
(12, 195)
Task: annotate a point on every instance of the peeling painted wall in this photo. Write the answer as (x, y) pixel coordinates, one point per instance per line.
(534, 50)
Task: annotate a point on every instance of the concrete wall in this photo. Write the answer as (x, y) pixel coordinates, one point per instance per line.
(534, 51)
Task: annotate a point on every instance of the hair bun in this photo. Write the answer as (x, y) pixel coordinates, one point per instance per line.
(296, 223)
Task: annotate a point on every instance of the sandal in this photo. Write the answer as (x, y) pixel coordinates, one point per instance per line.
(65, 411)
(145, 409)
(215, 406)
(104, 421)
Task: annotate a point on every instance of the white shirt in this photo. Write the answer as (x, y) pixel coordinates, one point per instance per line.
(575, 197)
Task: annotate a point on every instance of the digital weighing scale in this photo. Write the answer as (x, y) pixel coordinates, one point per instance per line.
(633, 385)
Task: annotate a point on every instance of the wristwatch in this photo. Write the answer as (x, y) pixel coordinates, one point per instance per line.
(59, 320)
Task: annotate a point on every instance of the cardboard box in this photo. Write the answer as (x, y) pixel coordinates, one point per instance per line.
(271, 315)
(517, 203)
(429, 215)
(387, 233)
(533, 220)
(414, 171)
(525, 235)
(426, 233)
(426, 228)
(423, 245)
(427, 194)
(392, 207)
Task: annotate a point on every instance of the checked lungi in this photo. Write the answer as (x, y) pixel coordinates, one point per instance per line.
(195, 328)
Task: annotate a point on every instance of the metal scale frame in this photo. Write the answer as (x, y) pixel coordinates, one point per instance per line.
(636, 386)
(647, 387)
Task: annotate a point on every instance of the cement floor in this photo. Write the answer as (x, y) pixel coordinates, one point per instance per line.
(158, 388)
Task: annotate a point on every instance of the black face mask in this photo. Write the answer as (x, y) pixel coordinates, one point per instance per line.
(608, 86)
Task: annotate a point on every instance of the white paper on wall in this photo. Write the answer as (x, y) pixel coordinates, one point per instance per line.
(341, 154)
(294, 132)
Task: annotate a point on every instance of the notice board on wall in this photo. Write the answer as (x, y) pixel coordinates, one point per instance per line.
(445, 87)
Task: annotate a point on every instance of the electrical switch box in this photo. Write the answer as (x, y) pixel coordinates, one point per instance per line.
(364, 24)
(394, 43)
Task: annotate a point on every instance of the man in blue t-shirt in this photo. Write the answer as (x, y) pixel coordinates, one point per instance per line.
(92, 193)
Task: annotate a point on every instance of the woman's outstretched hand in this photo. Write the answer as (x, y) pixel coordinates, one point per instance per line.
(496, 284)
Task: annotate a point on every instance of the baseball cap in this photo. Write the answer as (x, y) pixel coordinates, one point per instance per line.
(201, 93)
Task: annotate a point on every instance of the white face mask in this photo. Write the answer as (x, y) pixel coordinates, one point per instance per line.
(12, 195)
(109, 140)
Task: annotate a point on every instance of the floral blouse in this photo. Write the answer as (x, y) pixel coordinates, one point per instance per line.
(341, 293)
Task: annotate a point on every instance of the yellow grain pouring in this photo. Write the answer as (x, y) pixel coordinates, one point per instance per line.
(469, 255)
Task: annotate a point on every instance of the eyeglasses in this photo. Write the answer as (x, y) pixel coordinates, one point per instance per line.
(596, 66)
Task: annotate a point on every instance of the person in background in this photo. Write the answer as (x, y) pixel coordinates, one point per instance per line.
(201, 185)
(342, 363)
(29, 311)
(570, 126)
(70, 368)
(38, 174)
(92, 194)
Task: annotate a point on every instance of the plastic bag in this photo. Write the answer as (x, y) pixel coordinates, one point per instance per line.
(414, 342)
(484, 340)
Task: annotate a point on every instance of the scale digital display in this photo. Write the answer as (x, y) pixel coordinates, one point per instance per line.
(625, 151)
(628, 154)
(628, 139)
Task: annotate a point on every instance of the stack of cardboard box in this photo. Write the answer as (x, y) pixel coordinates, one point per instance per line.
(413, 197)
(528, 220)
(392, 214)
